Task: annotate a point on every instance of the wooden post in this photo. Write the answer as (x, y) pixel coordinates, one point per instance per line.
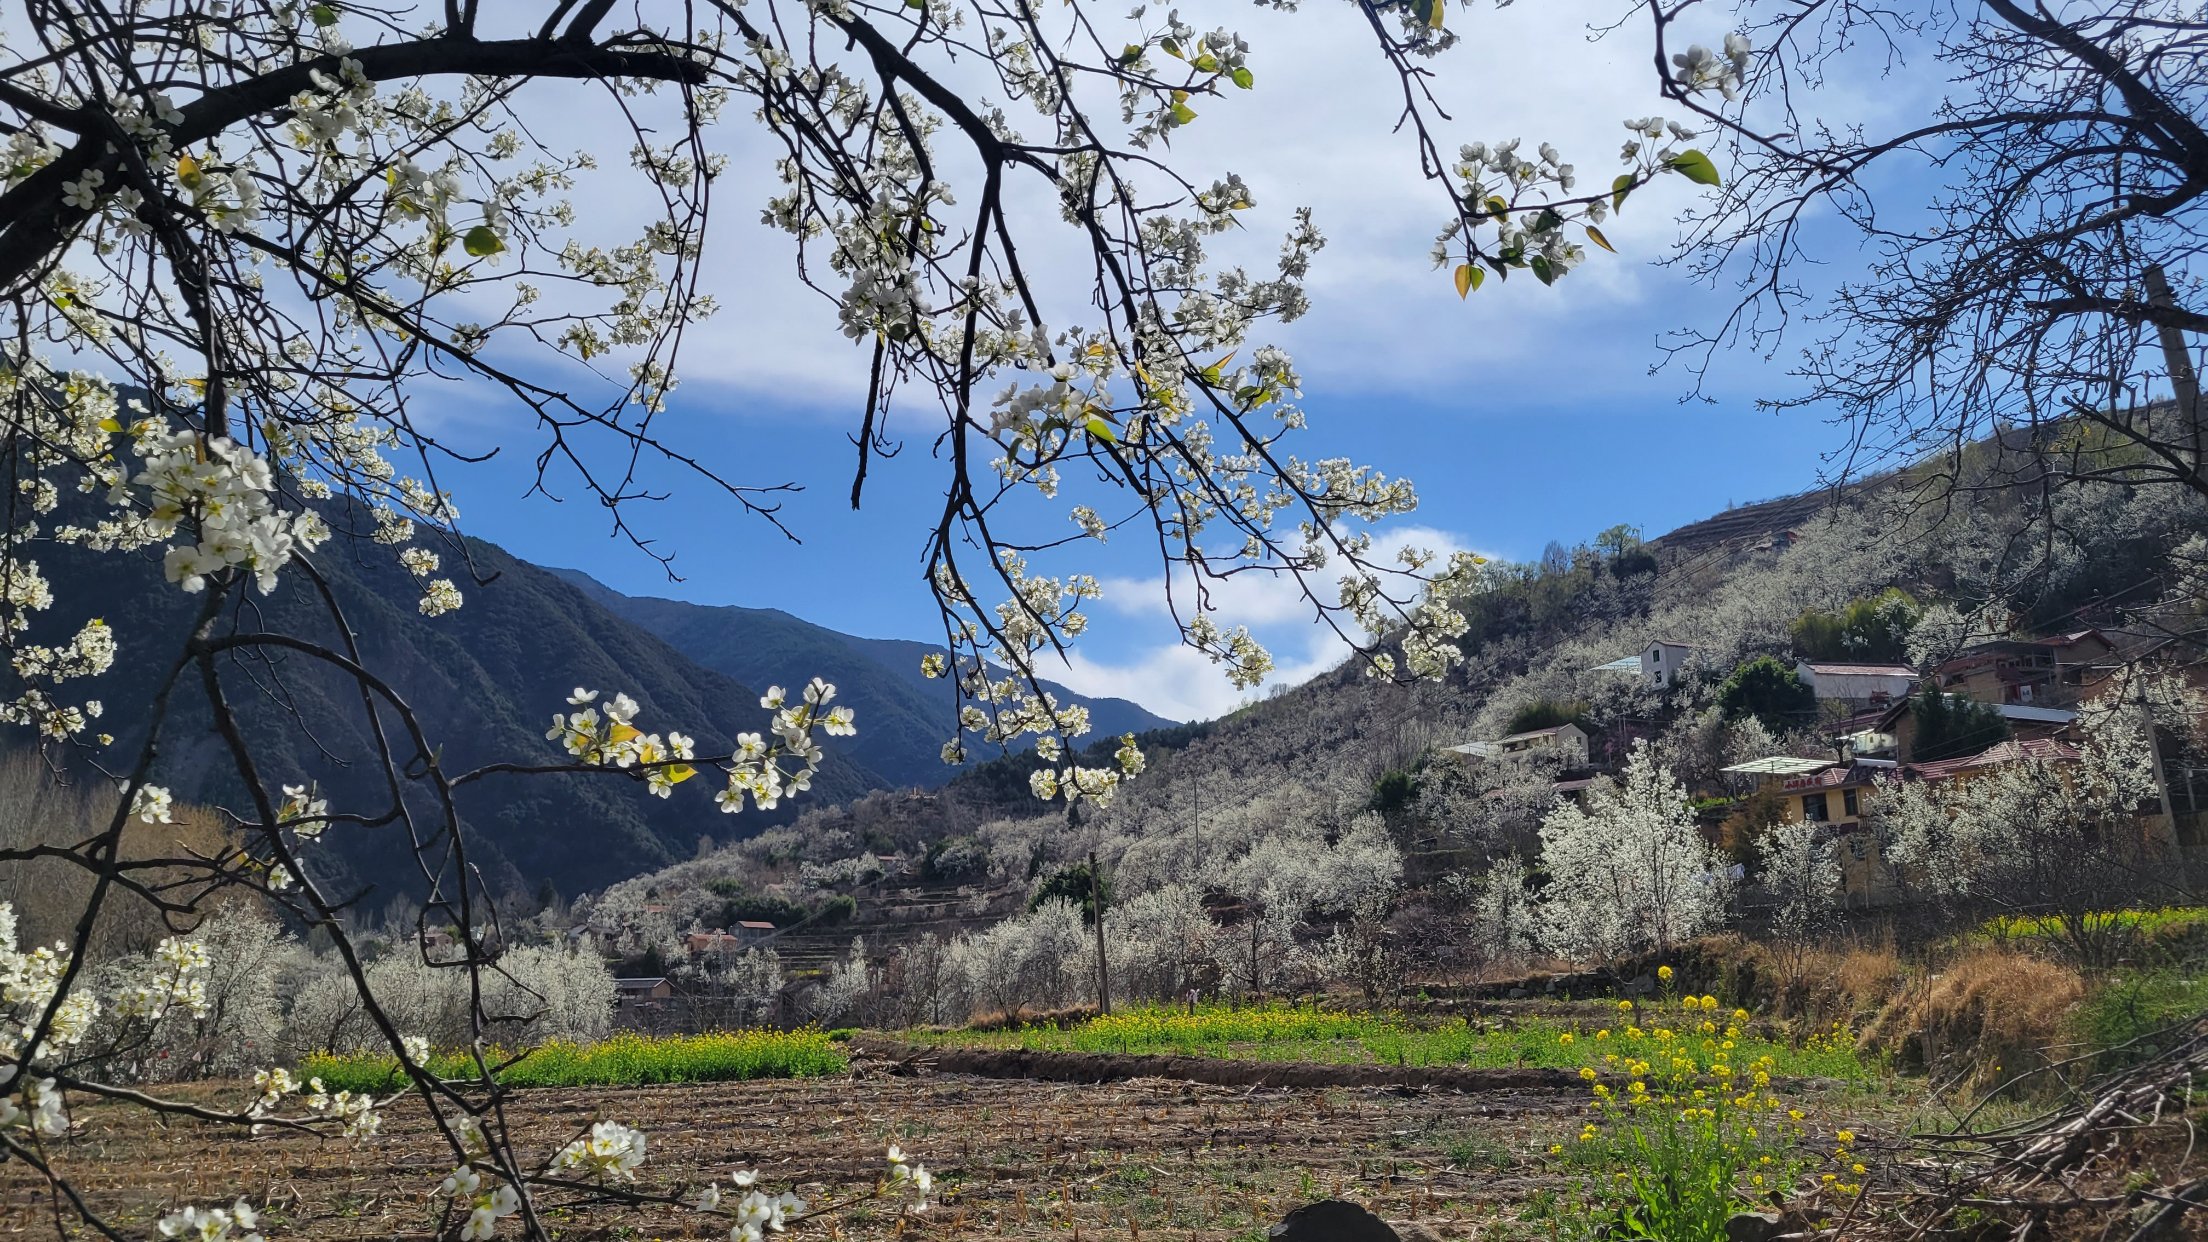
(1103, 964)
(2184, 383)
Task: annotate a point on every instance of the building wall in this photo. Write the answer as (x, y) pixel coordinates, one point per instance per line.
(1865, 880)
(1661, 663)
(1858, 687)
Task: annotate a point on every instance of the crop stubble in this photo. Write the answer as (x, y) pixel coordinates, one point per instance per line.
(1017, 1159)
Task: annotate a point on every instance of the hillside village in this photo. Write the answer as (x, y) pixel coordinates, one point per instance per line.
(1820, 716)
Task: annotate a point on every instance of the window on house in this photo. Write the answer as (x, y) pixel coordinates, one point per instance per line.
(1815, 809)
(1847, 802)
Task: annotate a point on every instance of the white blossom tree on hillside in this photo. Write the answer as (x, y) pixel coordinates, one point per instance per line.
(1630, 872)
(238, 240)
(1800, 873)
(2041, 835)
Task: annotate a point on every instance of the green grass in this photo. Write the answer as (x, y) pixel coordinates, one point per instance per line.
(1280, 1032)
(2165, 935)
(624, 1060)
(2137, 1003)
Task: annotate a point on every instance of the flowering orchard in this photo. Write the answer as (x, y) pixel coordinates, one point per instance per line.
(236, 241)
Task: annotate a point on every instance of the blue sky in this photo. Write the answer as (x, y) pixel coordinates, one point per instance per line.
(1524, 414)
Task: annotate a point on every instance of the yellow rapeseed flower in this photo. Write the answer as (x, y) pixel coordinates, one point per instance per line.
(1664, 973)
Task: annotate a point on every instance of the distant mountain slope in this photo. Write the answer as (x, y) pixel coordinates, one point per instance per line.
(904, 718)
(484, 682)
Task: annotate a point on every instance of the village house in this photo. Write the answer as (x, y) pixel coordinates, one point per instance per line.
(2045, 672)
(704, 943)
(1566, 742)
(1664, 663)
(1856, 685)
(1832, 795)
(1893, 732)
(636, 1000)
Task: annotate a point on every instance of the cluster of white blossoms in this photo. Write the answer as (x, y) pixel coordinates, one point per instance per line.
(439, 595)
(755, 770)
(909, 1176)
(1700, 69)
(30, 983)
(611, 1152)
(236, 1223)
(30, 994)
(177, 977)
(355, 1114)
(484, 1204)
(38, 1107)
(756, 1212)
(224, 490)
(1075, 782)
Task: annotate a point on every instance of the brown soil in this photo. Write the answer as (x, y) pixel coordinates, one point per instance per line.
(1017, 1158)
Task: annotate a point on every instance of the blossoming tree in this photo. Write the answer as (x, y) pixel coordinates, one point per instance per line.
(237, 240)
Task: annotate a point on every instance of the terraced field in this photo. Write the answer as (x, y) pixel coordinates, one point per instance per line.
(1015, 1159)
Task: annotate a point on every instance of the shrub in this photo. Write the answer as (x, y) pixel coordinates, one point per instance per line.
(1949, 728)
(1872, 629)
(1769, 691)
(1071, 885)
(739, 906)
(1545, 714)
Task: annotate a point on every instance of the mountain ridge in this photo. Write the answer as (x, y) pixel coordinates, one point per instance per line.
(904, 716)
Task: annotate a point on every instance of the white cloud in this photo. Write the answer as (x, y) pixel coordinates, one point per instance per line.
(1168, 678)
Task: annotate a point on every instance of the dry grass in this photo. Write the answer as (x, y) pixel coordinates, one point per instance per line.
(1847, 983)
(1987, 1017)
(1017, 1159)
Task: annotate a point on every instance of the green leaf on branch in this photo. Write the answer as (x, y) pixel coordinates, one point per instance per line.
(1466, 276)
(1619, 189)
(1497, 208)
(324, 15)
(1130, 54)
(1102, 430)
(1695, 167)
(1595, 235)
(1171, 47)
(1206, 63)
(1243, 77)
(1431, 10)
(1183, 114)
(482, 241)
(1541, 269)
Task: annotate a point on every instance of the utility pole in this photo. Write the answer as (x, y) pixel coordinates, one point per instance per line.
(2166, 832)
(1103, 964)
(2183, 381)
